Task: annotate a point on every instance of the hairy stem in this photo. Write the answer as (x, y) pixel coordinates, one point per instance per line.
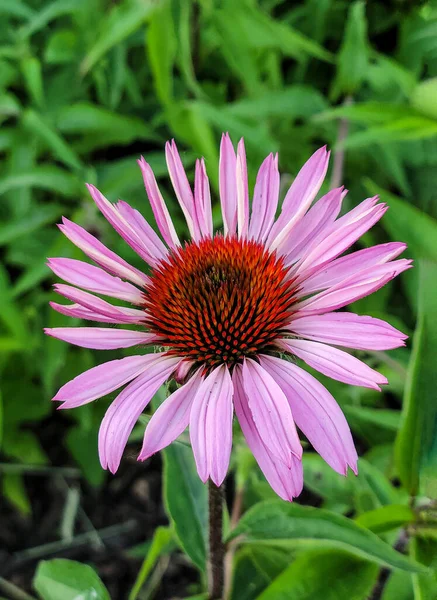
(216, 546)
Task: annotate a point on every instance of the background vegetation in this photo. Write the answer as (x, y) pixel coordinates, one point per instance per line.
(86, 86)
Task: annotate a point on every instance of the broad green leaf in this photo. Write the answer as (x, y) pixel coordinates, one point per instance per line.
(161, 48)
(368, 113)
(386, 518)
(32, 73)
(162, 543)
(398, 587)
(121, 21)
(322, 575)
(416, 448)
(186, 502)
(14, 490)
(424, 96)
(409, 128)
(290, 525)
(352, 58)
(9, 105)
(248, 580)
(69, 580)
(62, 47)
(45, 177)
(425, 550)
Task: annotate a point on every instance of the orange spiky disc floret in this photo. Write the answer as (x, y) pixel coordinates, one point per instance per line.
(219, 300)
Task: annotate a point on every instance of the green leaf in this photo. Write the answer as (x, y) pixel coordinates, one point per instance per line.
(161, 48)
(416, 447)
(424, 96)
(15, 491)
(16, 9)
(45, 177)
(352, 59)
(398, 587)
(290, 525)
(425, 550)
(374, 424)
(69, 580)
(386, 518)
(38, 218)
(123, 20)
(62, 47)
(186, 502)
(31, 68)
(322, 575)
(162, 543)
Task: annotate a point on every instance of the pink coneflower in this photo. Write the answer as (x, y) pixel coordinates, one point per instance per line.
(232, 313)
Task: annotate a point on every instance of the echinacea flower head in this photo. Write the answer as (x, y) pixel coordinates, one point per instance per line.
(230, 314)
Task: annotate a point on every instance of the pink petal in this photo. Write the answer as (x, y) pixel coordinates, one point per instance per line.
(299, 197)
(242, 191)
(339, 241)
(349, 330)
(99, 306)
(335, 363)
(144, 241)
(311, 229)
(346, 266)
(101, 338)
(316, 413)
(101, 380)
(101, 254)
(94, 279)
(271, 413)
(171, 418)
(286, 482)
(265, 199)
(228, 185)
(160, 210)
(125, 410)
(124, 315)
(211, 425)
(202, 198)
(352, 288)
(182, 188)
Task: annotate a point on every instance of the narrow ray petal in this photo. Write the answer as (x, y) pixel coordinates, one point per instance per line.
(95, 280)
(211, 425)
(171, 418)
(160, 210)
(182, 188)
(299, 197)
(286, 482)
(100, 254)
(125, 410)
(228, 185)
(149, 240)
(271, 413)
(202, 198)
(265, 199)
(316, 413)
(101, 380)
(335, 363)
(101, 338)
(123, 316)
(242, 191)
(97, 305)
(348, 330)
(346, 266)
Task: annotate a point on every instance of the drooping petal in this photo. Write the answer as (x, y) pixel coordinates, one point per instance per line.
(160, 210)
(228, 185)
(130, 226)
(299, 197)
(349, 330)
(346, 266)
(202, 199)
(171, 418)
(101, 380)
(125, 410)
(309, 231)
(182, 188)
(100, 254)
(242, 191)
(265, 199)
(99, 306)
(124, 315)
(211, 425)
(95, 280)
(316, 413)
(286, 482)
(352, 288)
(101, 338)
(339, 240)
(335, 363)
(271, 413)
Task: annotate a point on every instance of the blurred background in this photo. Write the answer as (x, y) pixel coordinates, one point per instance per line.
(86, 87)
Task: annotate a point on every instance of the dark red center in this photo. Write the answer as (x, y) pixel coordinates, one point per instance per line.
(219, 300)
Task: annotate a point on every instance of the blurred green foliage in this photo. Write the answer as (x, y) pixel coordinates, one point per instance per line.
(86, 86)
